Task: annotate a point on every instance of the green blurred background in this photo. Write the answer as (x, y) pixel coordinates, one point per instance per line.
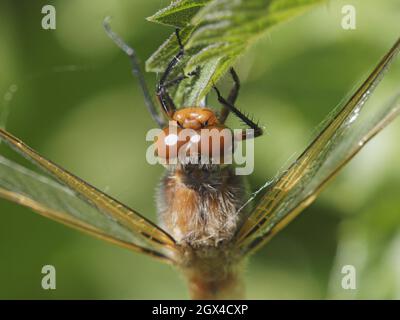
(78, 104)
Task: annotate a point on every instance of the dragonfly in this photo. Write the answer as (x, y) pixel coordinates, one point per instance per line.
(204, 229)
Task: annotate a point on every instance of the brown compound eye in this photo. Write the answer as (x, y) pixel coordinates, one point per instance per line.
(168, 143)
(177, 144)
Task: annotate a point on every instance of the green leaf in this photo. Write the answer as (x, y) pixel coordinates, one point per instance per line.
(215, 33)
(160, 59)
(179, 13)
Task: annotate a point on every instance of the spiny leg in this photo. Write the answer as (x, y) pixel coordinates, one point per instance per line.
(245, 135)
(136, 71)
(167, 100)
(232, 96)
(179, 79)
(162, 92)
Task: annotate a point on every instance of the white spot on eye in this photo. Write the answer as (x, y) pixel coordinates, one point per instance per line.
(195, 139)
(171, 139)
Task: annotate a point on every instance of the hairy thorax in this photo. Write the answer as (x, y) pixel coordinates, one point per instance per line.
(198, 205)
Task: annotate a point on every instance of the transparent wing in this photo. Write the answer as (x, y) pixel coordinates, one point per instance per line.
(342, 137)
(77, 203)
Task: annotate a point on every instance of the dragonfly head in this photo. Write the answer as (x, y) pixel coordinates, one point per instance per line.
(194, 134)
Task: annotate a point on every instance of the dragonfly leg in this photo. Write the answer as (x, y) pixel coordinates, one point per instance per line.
(162, 92)
(137, 72)
(257, 130)
(233, 94)
(179, 79)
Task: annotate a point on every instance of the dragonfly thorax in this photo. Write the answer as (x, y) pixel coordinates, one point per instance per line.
(199, 207)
